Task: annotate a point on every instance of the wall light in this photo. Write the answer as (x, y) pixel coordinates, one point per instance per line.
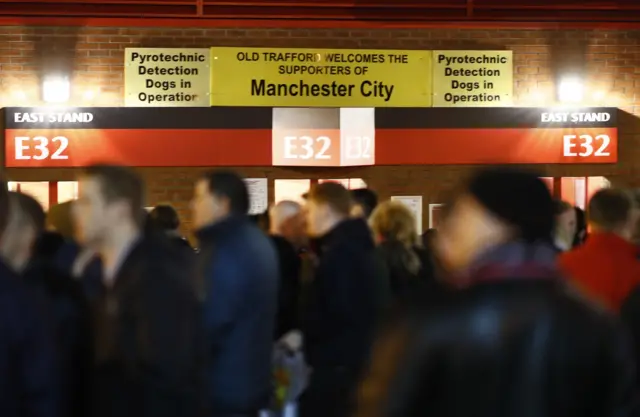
(570, 90)
(56, 90)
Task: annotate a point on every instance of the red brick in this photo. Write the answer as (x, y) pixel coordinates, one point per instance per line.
(611, 59)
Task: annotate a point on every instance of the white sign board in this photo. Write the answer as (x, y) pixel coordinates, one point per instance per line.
(258, 195)
(414, 203)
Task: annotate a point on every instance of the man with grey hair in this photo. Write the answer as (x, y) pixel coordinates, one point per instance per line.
(288, 235)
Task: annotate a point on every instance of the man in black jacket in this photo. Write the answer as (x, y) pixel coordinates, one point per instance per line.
(343, 306)
(513, 339)
(146, 314)
(65, 305)
(28, 375)
(288, 234)
(238, 271)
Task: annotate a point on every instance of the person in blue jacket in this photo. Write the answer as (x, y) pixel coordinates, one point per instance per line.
(238, 280)
(28, 374)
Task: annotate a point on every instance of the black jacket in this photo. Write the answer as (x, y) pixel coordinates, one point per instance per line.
(147, 337)
(28, 378)
(64, 302)
(344, 302)
(289, 286)
(505, 349)
(238, 267)
(404, 282)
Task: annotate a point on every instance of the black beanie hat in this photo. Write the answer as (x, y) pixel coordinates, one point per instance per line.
(518, 197)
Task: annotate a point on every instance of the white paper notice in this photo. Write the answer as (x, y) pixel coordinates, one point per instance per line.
(414, 203)
(258, 195)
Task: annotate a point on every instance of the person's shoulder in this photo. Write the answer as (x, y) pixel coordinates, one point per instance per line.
(577, 258)
(17, 300)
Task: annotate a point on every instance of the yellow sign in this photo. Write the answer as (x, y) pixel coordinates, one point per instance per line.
(320, 77)
(166, 77)
(472, 78)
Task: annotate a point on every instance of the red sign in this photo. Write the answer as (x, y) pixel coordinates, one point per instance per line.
(244, 136)
(497, 146)
(68, 148)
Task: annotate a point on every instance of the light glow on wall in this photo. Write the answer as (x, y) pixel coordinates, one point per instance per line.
(570, 90)
(56, 90)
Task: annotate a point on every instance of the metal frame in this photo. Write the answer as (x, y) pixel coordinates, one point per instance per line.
(540, 14)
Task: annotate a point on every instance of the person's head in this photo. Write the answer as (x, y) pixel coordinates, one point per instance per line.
(219, 194)
(287, 220)
(581, 227)
(364, 202)
(612, 210)
(264, 221)
(163, 218)
(110, 201)
(328, 204)
(393, 221)
(25, 225)
(429, 238)
(60, 219)
(566, 224)
(498, 205)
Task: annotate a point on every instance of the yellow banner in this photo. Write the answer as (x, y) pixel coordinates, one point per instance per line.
(283, 77)
(472, 78)
(166, 77)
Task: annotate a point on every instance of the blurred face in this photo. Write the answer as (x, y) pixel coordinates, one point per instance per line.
(92, 216)
(632, 229)
(467, 232)
(567, 225)
(20, 245)
(207, 208)
(320, 218)
(294, 229)
(357, 211)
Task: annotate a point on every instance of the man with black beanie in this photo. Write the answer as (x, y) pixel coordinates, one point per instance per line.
(512, 339)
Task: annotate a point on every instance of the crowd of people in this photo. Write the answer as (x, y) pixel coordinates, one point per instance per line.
(518, 305)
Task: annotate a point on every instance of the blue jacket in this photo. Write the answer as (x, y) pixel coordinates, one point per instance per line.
(239, 276)
(27, 353)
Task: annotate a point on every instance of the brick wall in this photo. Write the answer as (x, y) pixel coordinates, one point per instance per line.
(608, 60)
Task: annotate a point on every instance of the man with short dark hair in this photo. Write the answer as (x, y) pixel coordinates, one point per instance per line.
(145, 313)
(238, 278)
(365, 201)
(606, 266)
(164, 219)
(344, 302)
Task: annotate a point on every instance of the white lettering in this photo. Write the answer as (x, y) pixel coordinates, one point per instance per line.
(586, 145)
(358, 147)
(289, 147)
(69, 117)
(306, 144)
(21, 147)
(40, 147)
(326, 144)
(307, 147)
(59, 153)
(578, 117)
